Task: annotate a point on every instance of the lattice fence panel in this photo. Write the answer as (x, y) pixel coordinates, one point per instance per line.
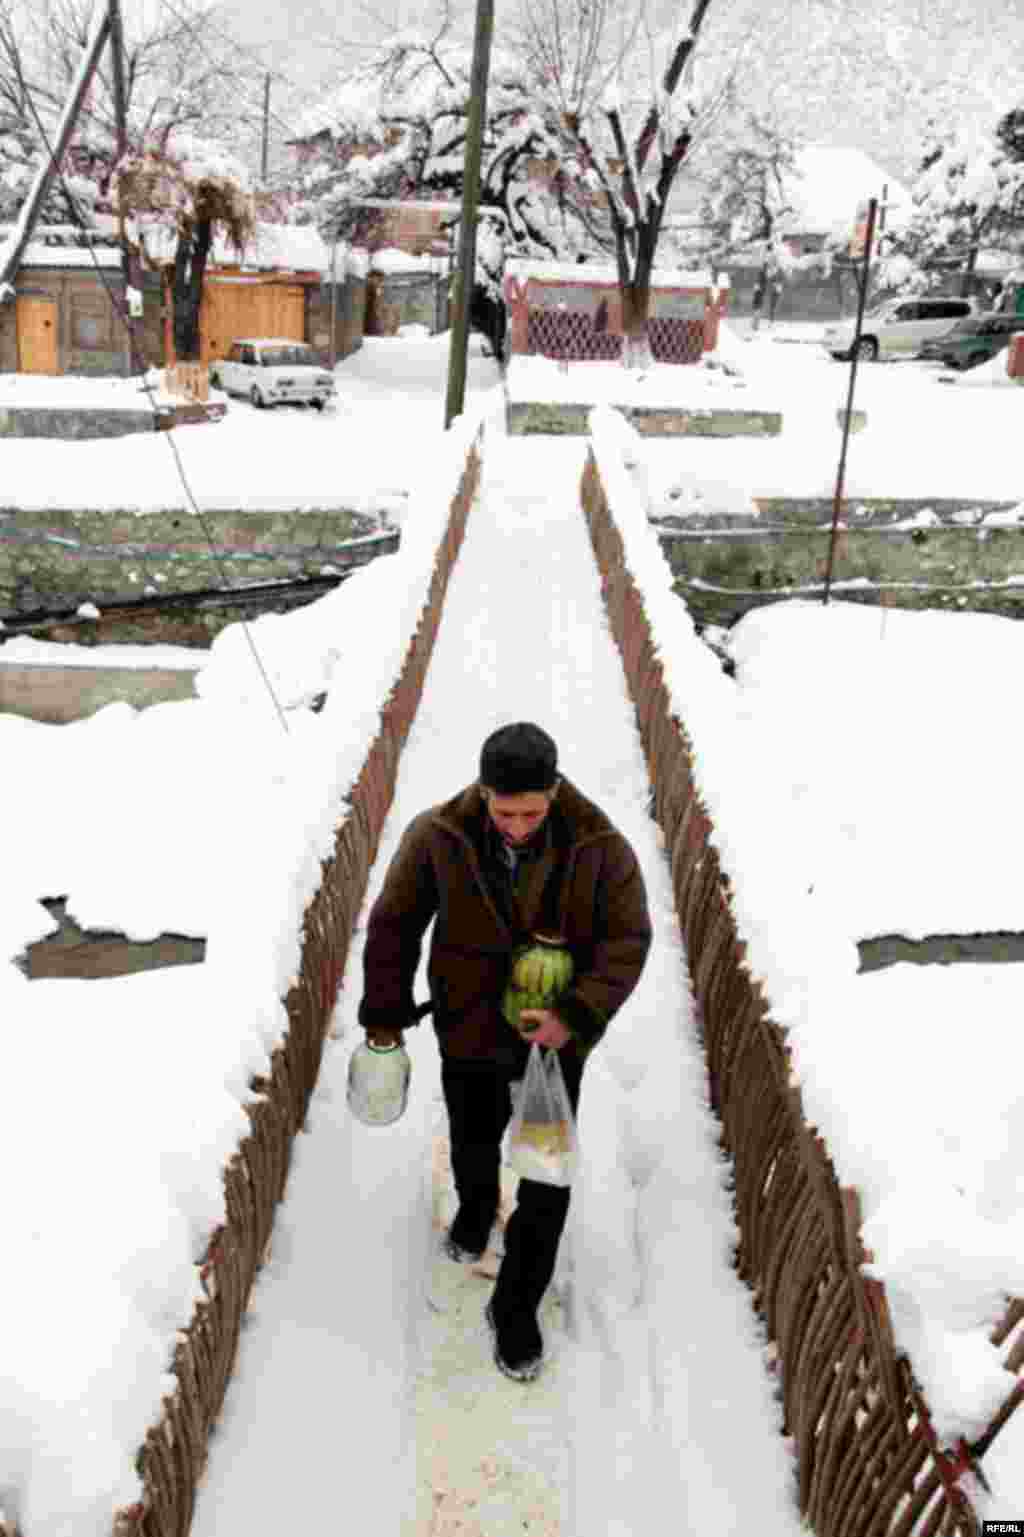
(676, 341)
(570, 334)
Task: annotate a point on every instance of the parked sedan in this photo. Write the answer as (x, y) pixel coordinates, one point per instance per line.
(974, 340)
(898, 327)
(270, 370)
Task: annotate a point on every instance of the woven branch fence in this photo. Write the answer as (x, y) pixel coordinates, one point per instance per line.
(867, 1460)
(173, 1457)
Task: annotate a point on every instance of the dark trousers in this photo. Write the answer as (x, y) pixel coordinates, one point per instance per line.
(479, 1103)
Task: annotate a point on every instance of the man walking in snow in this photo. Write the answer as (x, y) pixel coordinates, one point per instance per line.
(518, 852)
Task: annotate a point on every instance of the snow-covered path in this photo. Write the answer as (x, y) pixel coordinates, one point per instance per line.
(356, 1407)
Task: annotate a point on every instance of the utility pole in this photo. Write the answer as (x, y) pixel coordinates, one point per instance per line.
(121, 121)
(117, 70)
(470, 204)
(266, 128)
(17, 242)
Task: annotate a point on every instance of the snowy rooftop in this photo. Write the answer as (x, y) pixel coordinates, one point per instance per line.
(830, 184)
(602, 272)
(276, 247)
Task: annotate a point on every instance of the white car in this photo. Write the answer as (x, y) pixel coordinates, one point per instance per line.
(897, 328)
(269, 370)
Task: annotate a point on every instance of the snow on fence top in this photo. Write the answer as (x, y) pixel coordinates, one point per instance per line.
(602, 272)
(130, 1090)
(906, 1106)
(390, 259)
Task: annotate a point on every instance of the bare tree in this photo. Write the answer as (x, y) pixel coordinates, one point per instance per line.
(628, 108)
(182, 71)
(187, 196)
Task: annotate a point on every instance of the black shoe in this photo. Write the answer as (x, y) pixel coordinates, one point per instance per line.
(518, 1348)
(457, 1252)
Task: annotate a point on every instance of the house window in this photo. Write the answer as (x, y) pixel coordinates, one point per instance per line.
(90, 328)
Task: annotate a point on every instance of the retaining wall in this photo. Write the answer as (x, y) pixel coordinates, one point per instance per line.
(174, 1454)
(867, 1461)
(923, 553)
(57, 558)
(569, 419)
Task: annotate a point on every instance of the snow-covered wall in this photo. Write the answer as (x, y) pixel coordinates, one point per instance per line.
(773, 970)
(131, 1212)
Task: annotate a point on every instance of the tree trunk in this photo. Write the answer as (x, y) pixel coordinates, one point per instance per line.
(636, 308)
(187, 289)
(967, 274)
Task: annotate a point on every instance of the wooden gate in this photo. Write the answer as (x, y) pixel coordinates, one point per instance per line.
(232, 310)
(36, 328)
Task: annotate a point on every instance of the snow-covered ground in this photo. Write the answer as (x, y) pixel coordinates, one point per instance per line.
(885, 748)
(633, 1417)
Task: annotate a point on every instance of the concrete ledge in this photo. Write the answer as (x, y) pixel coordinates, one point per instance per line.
(58, 558)
(70, 422)
(569, 418)
(914, 553)
(57, 695)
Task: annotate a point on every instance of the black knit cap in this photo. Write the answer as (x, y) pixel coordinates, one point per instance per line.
(518, 759)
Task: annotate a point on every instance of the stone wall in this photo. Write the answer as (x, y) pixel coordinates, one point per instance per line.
(70, 424)
(57, 694)
(571, 419)
(905, 554)
(56, 559)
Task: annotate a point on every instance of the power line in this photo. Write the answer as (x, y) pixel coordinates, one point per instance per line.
(129, 328)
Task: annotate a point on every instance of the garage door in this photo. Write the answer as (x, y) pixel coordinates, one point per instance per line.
(233, 310)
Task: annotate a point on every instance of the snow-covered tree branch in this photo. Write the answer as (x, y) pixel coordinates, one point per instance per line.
(175, 198)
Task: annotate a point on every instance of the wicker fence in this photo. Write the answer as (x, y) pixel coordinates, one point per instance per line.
(173, 1457)
(867, 1460)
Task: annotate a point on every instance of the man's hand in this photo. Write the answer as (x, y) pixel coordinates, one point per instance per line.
(378, 1036)
(549, 1029)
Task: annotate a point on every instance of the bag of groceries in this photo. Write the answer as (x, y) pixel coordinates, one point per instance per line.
(542, 1142)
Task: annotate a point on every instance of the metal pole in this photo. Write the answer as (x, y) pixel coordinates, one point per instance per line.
(334, 304)
(266, 127)
(470, 203)
(841, 472)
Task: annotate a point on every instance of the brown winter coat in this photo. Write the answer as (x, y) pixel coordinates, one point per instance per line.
(586, 885)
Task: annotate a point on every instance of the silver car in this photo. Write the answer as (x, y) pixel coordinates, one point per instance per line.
(269, 370)
(897, 328)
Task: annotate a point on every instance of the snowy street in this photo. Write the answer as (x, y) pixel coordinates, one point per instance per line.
(353, 1395)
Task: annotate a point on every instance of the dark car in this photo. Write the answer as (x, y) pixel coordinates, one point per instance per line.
(973, 340)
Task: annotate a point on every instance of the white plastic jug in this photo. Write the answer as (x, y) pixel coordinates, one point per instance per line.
(378, 1083)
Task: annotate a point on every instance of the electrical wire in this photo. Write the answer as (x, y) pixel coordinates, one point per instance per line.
(129, 327)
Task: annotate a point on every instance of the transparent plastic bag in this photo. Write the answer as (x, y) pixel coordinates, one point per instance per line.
(542, 1143)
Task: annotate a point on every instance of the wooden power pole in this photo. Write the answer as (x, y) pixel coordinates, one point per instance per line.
(48, 170)
(470, 205)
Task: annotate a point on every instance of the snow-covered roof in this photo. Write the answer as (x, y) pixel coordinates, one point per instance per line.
(602, 272)
(288, 247)
(446, 205)
(390, 259)
(39, 254)
(831, 182)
